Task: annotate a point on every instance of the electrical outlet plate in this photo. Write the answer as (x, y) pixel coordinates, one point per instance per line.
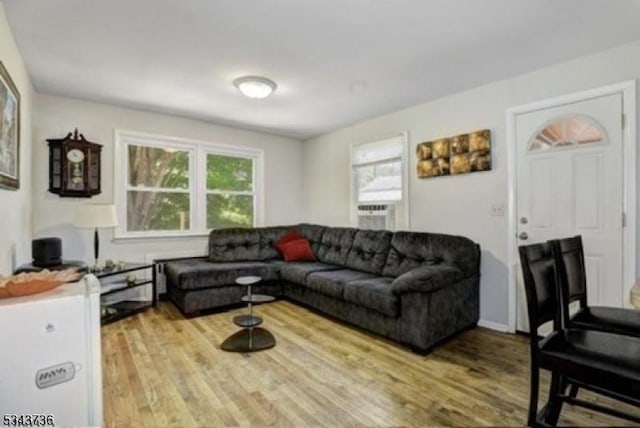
(497, 210)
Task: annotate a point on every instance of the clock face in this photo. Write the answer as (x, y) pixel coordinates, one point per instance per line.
(75, 155)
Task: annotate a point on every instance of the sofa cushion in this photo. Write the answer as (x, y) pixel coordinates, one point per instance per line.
(426, 279)
(234, 245)
(268, 237)
(298, 272)
(291, 235)
(335, 245)
(332, 282)
(373, 293)
(369, 250)
(313, 233)
(297, 250)
(410, 250)
(197, 274)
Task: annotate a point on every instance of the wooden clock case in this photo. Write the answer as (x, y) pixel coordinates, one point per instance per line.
(74, 166)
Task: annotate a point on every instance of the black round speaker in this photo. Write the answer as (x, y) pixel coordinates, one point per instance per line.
(46, 252)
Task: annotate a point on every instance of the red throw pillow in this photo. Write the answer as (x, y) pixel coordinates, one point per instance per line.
(291, 235)
(297, 250)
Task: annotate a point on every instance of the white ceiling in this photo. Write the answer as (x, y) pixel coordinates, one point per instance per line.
(336, 62)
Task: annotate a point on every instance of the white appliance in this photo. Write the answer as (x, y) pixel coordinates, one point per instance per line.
(376, 217)
(50, 362)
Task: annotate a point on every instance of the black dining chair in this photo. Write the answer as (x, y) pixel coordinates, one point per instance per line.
(605, 363)
(569, 256)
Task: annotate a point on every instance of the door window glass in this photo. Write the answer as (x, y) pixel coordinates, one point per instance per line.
(567, 130)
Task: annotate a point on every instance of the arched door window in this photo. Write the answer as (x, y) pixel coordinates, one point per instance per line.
(567, 130)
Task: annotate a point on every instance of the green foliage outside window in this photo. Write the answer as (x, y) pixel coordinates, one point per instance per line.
(229, 173)
(229, 211)
(158, 168)
(162, 202)
(166, 211)
(229, 177)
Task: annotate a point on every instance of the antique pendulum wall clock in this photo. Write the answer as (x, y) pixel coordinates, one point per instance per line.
(74, 166)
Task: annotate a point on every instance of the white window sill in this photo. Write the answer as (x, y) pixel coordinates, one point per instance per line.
(173, 237)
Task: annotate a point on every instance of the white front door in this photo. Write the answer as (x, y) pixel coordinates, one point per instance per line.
(570, 182)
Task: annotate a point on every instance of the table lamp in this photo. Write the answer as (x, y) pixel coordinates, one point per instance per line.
(96, 216)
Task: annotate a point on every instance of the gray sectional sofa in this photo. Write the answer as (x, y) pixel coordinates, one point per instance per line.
(414, 288)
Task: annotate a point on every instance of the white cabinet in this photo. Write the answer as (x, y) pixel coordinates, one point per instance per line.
(50, 362)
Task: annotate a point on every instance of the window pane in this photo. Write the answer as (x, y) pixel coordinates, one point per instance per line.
(229, 173)
(568, 130)
(229, 211)
(157, 167)
(381, 182)
(380, 150)
(157, 211)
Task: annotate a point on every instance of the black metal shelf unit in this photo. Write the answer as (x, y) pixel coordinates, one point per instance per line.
(114, 281)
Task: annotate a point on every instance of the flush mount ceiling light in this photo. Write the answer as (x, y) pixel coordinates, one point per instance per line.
(255, 86)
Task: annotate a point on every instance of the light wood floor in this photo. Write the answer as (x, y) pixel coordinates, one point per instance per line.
(160, 369)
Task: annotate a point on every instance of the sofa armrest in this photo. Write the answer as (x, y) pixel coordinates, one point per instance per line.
(426, 279)
(162, 262)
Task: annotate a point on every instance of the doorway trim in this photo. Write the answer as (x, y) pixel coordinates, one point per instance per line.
(628, 91)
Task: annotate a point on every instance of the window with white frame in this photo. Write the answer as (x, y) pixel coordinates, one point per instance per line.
(377, 168)
(167, 186)
(230, 191)
(158, 188)
(380, 180)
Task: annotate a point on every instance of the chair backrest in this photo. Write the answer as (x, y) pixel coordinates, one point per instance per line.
(540, 283)
(569, 255)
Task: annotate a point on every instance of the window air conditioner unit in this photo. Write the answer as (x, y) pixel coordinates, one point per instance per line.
(376, 217)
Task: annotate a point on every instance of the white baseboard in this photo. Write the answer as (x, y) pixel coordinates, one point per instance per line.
(503, 328)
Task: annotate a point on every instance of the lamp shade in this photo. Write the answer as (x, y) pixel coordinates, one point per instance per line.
(96, 215)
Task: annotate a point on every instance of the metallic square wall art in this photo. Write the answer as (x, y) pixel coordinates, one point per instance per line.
(455, 155)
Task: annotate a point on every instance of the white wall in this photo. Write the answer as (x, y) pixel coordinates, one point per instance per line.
(54, 117)
(15, 206)
(458, 204)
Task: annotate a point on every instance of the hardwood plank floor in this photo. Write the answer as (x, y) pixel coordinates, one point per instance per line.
(160, 369)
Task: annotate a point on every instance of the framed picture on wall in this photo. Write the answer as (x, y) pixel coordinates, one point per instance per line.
(9, 132)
